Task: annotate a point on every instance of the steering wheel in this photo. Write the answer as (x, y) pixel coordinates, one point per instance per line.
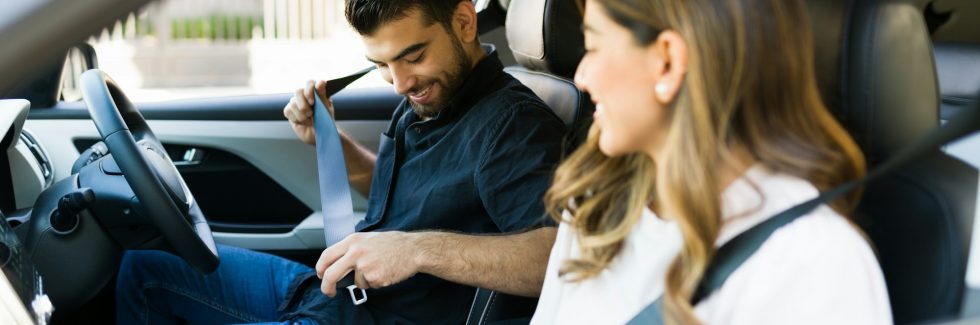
(149, 171)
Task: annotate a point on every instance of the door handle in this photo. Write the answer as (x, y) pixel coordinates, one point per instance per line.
(192, 157)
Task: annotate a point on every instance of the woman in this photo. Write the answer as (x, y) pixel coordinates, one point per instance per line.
(708, 121)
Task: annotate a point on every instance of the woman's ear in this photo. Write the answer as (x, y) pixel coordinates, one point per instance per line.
(464, 21)
(667, 58)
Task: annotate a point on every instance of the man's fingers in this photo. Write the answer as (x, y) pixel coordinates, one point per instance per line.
(303, 109)
(329, 256)
(334, 273)
(288, 111)
(360, 281)
(308, 92)
(292, 113)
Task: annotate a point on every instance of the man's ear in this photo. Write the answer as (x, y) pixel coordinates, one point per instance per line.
(667, 60)
(464, 21)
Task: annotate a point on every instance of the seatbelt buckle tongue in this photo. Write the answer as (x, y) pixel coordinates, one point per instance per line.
(348, 283)
(353, 289)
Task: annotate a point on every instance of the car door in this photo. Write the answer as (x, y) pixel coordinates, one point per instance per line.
(254, 179)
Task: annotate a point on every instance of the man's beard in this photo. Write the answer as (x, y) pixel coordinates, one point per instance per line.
(449, 85)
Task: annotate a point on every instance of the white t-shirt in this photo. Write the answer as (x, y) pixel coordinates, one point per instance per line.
(816, 270)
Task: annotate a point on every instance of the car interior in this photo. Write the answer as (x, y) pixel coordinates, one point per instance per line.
(890, 71)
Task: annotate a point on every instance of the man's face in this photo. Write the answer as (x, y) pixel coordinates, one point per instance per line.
(426, 64)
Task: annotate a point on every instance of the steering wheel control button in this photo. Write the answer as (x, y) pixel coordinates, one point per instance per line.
(65, 219)
(110, 167)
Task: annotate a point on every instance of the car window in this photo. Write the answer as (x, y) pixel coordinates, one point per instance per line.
(176, 49)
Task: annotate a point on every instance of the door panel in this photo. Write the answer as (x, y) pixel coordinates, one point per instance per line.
(232, 192)
(249, 149)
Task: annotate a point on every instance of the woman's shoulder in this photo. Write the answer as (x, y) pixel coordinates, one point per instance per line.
(821, 239)
(823, 230)
(819, 267)
(821, 236)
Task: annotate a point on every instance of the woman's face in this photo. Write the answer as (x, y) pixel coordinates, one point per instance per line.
(617, 73)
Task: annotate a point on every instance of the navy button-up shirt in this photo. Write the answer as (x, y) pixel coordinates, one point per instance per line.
(481, 165)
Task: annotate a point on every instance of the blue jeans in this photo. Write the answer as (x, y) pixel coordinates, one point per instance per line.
(155, 287)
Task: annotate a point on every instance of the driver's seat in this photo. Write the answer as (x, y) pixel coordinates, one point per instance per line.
(546, 39)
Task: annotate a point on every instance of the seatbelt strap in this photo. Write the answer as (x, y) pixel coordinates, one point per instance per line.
(335, 198)
(736, 251)
(337, 207)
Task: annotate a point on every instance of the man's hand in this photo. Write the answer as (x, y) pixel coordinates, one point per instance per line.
(299, 110)
(512, 263)
(378, 259)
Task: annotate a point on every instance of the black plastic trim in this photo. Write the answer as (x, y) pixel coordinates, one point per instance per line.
(247, 228)
(950, 106)
(7, 201)
(371, 104)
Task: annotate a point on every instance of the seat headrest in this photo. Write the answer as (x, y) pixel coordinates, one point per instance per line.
(892, 95)
(546, 35)
(875, 71)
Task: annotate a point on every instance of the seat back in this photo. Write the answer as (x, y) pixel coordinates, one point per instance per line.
(877, 73)
(546, 39)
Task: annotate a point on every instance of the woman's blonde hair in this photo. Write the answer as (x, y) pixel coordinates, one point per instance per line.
(750, 84)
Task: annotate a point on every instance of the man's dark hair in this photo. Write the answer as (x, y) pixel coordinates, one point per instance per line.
(366, 16)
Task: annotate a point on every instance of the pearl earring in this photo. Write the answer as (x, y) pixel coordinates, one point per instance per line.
(661, 89)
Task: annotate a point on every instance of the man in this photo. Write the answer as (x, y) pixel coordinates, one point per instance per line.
(469, 151)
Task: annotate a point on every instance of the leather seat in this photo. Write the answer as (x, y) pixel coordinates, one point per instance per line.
(877, 73)
(545, 37)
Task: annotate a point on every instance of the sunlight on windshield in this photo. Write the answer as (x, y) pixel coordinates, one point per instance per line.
(178, 49)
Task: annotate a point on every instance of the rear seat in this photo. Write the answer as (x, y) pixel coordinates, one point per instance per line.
(958, 69)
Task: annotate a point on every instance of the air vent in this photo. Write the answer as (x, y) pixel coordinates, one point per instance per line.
(42, 157)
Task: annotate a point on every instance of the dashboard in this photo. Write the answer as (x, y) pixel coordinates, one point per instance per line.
(24, 173)
(27, 170)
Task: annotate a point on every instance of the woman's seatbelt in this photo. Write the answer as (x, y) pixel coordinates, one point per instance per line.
(732, 254)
